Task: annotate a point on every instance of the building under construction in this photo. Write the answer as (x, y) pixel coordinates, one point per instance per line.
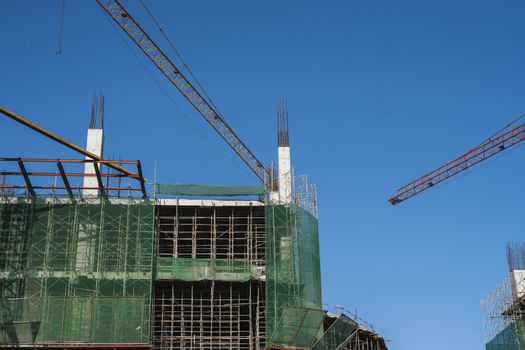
(504, 308)
(92, 261)
(93, 255)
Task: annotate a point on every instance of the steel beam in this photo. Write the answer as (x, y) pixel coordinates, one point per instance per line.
(29, 186)
(141, 179)
(65, 181)
(99, 180)
(60, 140)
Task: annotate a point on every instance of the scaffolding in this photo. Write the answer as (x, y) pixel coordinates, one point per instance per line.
(345, 330)
(209, 289)
(209, 315)
(210, 274)
(212, 232)
(503, 318)
(503, 311)
(76, 272)
(363, 339)
(294, 315)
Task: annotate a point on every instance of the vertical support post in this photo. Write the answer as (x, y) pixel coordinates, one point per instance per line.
(176, 233)
(29, 186)
(194, 234)
(283, 152)
(141, 179)
(214, 234)
(65, 181)
(94, 145)
(250, 317)
(99, 179)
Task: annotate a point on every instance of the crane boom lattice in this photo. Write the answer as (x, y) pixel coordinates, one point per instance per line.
(126, 22)
(487, 149)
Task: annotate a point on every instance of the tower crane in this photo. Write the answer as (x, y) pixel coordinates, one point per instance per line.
(501, 141)
(136, 33)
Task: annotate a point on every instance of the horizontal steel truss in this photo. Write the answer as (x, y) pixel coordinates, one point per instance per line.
(65, 176)
(487, 149)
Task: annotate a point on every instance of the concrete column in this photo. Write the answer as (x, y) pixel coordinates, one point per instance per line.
(517, 280)
(285, 175)
(95, 145)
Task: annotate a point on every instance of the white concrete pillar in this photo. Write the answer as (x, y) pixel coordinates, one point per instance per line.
(285, 174)
(95, 145)
(517, 280)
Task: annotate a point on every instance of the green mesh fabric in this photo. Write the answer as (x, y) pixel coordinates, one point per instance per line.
(293, 277)
(337, 335)
(187, 269)
(298, 327)
(85, 272)
(15, 234)
(511, 338)
(209, 190)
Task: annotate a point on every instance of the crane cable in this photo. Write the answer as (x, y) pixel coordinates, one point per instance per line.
(61, 30)
(177, 107)
(505, 127)
(180, 57)
(476, 168)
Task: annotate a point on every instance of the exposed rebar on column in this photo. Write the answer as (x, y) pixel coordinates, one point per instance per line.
(94, 144)
(283, 139)
(97, 112)
(283, 154)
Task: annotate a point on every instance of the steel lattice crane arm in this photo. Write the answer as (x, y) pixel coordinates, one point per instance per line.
(125, 21)
(487, 149)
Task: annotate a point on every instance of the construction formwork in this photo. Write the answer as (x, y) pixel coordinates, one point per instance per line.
(78, 273)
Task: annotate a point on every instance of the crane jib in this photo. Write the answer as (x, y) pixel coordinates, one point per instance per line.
(126, 22)
(476, 155)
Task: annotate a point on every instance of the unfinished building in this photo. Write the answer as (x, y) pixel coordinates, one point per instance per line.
(89, 261)
(209, 291)
(92, 255)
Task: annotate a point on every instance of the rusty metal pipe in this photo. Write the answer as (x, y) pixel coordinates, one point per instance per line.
(62, 141)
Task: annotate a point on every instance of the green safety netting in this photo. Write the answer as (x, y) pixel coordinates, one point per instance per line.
(187, 269)
(511, 337)
(298, 327)
(293, 277)
(337, 335)
(83, 273)
(76, 272)
(209, 190)
(77, 319)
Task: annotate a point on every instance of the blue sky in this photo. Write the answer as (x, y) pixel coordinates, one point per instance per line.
(379, 93)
